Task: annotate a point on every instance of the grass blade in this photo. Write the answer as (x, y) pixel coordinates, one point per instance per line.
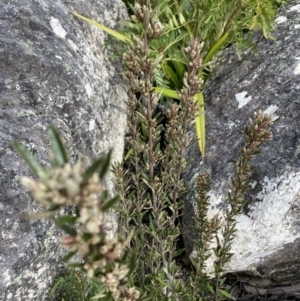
(108, 30)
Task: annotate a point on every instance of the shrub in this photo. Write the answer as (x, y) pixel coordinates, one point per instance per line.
(168, 56)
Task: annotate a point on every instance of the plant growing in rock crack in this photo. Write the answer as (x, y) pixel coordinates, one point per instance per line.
(218, 23)
(257, 133)
(106, 262)
(75, 285)
(104, 258)
(149, 183)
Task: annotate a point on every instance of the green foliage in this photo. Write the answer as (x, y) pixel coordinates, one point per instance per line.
(110, 270)
(151, 183)
(257, 133)
(76, 286)
(35, 167)
(216, 23)
(102, 27)
(168, 54)
(105, 261)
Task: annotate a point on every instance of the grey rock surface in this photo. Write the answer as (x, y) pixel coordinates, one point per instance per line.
(53, 70)
(267, 244)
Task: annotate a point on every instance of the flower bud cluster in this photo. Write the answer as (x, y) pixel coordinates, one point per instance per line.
(115, 278)
(155, 29)
(63, 186)
(66, 186)
(192, 80)
(151, 25)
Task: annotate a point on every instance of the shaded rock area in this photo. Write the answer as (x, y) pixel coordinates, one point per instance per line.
(53, 70)
(267, 247)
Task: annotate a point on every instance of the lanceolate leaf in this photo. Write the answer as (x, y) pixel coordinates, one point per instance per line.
(110, 31)
(101, 164)
(69, 255)
(129, 153)
(226, 294)
(171, 74)
(215, 48)
(65, 219)
(35, 167)
(69, 230)
(59, 153)
(180, 69)
(200, 123)
(166, 92)
(105, 166)
(132, 263)
(96, 165)
(99, 296)
(109, 203)
(144, 131)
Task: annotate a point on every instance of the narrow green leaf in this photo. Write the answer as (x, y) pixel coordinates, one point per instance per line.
(59, 282)
(166, 92)
(128, 155)
(175, 21)
(142, 118)
(69, 219)
(96, 165)
(171, 74)
(210, 288)
(110, 31)
(97, 282)
(69, 230)
(200, 123)
(180, 69)
(108, 297)
(44, 214)
(178, 252)
(208, 19)
(101, 163)
(35, 167)
(104, 195)
(110, 203)
(60, 157)
(76, 265)
(129, 24)
(105, 166)
(96, 257)
(175, 41)
(132, 263)
(144, 131)
(86, 236)
(69, 255)
(182, 19)
(226, 294)
(98, 296)
(150, 297)
(215, 48)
